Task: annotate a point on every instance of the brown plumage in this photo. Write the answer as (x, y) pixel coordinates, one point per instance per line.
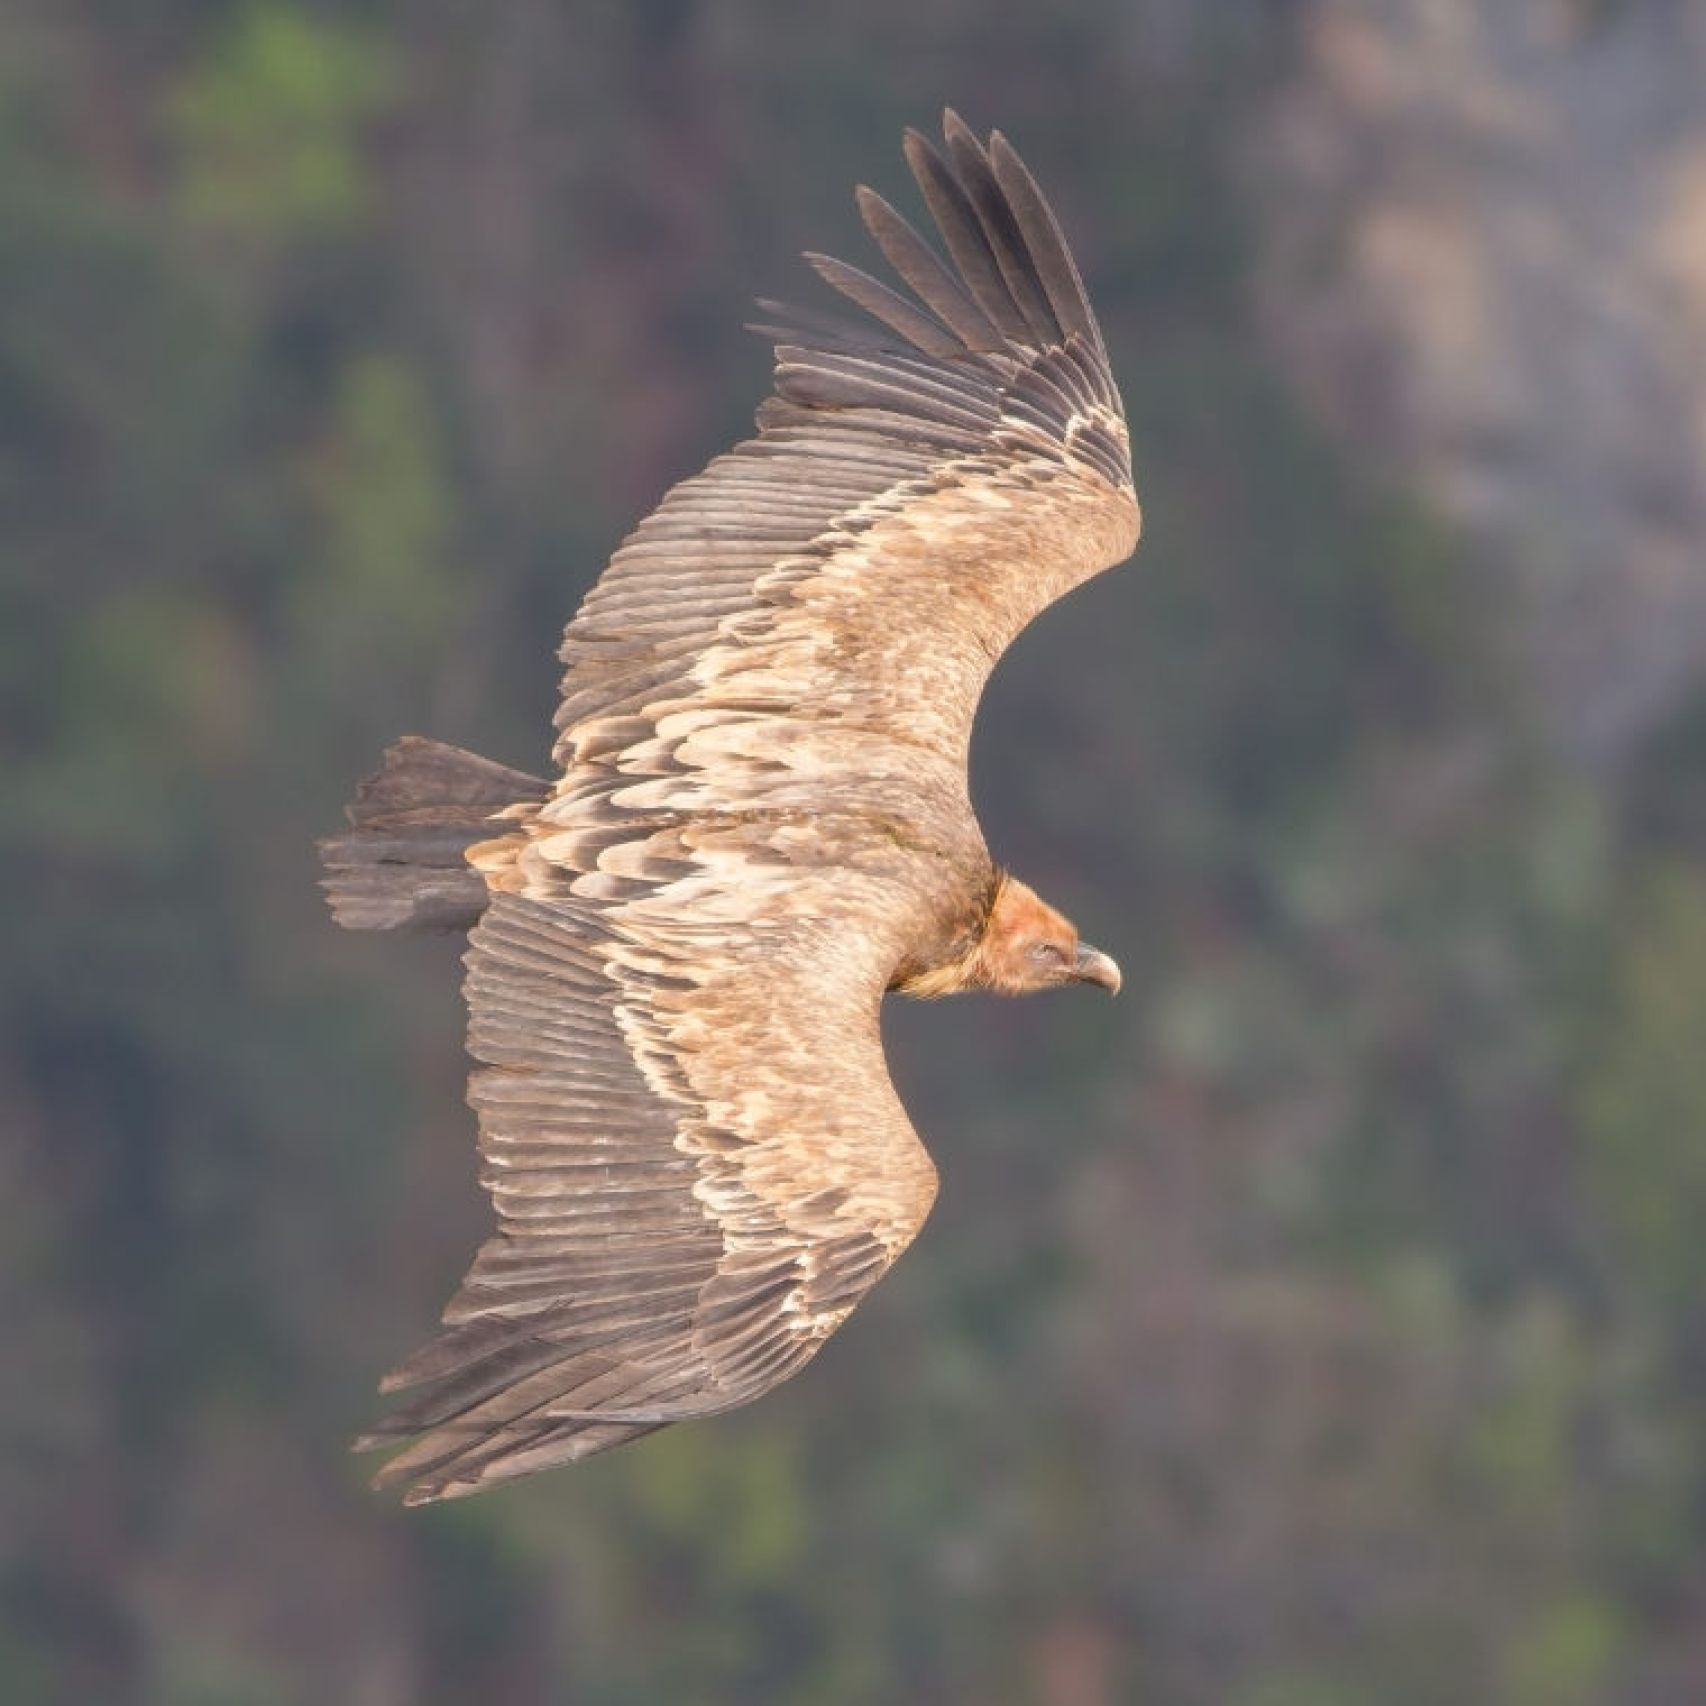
(678, 948)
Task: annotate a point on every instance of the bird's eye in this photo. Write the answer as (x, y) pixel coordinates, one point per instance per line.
(1046, 954)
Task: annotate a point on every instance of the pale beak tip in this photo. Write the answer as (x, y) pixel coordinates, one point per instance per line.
(1093, 966)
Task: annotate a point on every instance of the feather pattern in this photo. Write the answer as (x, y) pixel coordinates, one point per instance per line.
(687, 1130)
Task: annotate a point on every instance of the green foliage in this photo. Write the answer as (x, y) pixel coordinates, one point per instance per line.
(383, 590)
(745, 1494)
(160, 688)
(1643, 1088)
(269, 125)
(1567, 1657)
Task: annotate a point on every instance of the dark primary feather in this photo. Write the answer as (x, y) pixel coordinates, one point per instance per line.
(1001, 231)
(951, 206)
(913, 259)
(1046, 245)
(895, 312)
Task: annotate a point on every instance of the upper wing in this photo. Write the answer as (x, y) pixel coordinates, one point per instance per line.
(698, 1163)
(919, 489)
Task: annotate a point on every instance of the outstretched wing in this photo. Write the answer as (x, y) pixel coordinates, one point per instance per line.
(698, 1161)
(919, 489)
(698, 1164)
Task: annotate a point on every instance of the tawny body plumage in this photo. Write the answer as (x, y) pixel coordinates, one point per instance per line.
(678, 948)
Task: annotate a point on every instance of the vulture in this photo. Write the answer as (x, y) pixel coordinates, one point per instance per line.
(758, 824)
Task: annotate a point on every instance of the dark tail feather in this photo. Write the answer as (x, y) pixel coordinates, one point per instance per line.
(401, 866)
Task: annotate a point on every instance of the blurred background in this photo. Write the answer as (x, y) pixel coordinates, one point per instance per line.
(1322, 1323)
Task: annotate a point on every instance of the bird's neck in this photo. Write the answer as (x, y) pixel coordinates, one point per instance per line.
(960, 964)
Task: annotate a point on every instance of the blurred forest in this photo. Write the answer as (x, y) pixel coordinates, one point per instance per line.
(1322, 1323)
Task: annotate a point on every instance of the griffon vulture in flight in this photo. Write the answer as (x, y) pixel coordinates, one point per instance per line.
(677, 948)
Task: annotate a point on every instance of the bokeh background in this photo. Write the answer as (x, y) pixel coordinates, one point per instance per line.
(1320, 1324)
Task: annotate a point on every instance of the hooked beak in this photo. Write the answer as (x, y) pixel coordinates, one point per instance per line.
(1092, 966)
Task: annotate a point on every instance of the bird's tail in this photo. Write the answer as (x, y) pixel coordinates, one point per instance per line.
(400, 866)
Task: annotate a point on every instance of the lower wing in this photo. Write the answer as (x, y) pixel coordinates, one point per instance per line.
(699, 1167)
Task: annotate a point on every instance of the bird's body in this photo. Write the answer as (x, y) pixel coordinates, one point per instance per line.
(678, 949)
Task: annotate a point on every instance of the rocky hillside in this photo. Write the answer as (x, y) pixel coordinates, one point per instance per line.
(1485, 254)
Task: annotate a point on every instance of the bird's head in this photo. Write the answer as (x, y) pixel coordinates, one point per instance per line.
(1027, 945)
